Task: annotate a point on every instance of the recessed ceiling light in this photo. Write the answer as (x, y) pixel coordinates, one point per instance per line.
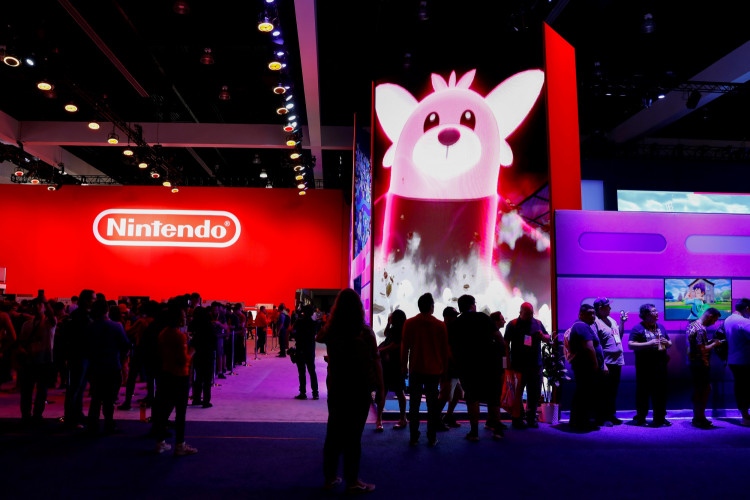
(175, 190)
(274, 65)
(279, 89)
(127, 152)
(301, 185)
(298, 168)
(44, 85)
(71, 108)
(30, 61)
(281, 111)
(265, 25)
(263, 174)
(51, 188)
(34, 179)
(18, 172)
(142, 165)
(94, 125)
(11, 61)
(288, 128)
(155, 174)
(302, 193)
(295, 155)
(299, 177)
(276, 33)
(113, 138)
(166, 183)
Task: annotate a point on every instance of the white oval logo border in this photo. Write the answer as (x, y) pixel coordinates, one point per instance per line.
(166, 243)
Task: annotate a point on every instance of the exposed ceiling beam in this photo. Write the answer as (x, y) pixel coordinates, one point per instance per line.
(197, 135)
(11, 132)
(734, 67)
(307, 33)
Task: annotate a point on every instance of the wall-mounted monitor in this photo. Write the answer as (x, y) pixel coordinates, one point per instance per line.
(688, 298)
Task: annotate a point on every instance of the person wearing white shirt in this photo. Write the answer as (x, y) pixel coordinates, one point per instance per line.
(610, 337)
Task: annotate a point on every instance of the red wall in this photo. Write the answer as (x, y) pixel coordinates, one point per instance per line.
(286, 242)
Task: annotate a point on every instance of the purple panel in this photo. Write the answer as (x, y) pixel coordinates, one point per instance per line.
(736, 245)
(622, 242)
(674, 260)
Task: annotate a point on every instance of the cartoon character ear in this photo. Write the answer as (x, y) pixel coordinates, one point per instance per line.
(393, 105)
(512, 100)
(438, 82)
(465, 81)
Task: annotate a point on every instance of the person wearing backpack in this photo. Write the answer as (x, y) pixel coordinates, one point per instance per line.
(584, 352)
(699, 352)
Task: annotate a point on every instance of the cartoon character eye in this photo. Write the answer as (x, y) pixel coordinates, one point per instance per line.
(468, 119)
(432, 120)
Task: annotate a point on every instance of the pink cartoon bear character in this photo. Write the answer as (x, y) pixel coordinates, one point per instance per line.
(448, 148)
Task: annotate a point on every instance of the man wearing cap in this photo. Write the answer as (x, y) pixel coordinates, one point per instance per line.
(611, 341)
(737, 327)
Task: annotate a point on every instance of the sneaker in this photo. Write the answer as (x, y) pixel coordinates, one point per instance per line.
(301, 397)
(616, 421)
(360, 487)
(605, 423)
(207, 405)
(197, 402)
(332, 483)
(661, 423)
(316, 397)
(414, 439)
(432, 442)
(163, 446)
(702, 424)
(518, 423)
(640, 422)
(498, 435)
(124, 406)
(472, 437)
(183, 449)
(400, 425)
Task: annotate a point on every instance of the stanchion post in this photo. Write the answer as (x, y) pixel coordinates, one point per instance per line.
(213, 374)
(231, 369)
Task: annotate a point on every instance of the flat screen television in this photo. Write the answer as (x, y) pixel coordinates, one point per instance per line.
(688, 298)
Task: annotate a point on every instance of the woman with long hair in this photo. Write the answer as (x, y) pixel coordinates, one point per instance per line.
(354, 371)
(390, 358)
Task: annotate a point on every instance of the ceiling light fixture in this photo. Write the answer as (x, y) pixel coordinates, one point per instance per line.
(280, 53)
(302, 193)
(298, 168)
(648, 25)
(11, 61)
(175, 190)
(51, 188)
(263, 174)
(295, 155)
(142, 165)
(34, 179)
(71, 108)
(299, 177)
(19, 172)
(279, 89)
(127, 151)
(289, 97)
(264, 24)
(45, 86)
(207, 58)
(181, 7)
(274, 65)
(281, 111)
(288, 128)
(113, 138)
(290, 105)
(276, 33)
(155, 174)
(301, 185)
(166, 183)
(93, 125)
(256, 159)
(30, 61)
(224, 94)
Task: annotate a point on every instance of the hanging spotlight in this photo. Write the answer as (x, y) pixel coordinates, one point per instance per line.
(290, 105)
(263, 174)
(279, 53)
(181, 7)
(142, 165)
(279, 89)
(302, 193)
(34, 179)
(127, 151)
(11, 60)
(269, 185)
(264, 24)
(30, 61)
(71, 107)
(276, 33)
(51, 188)
(299, 177)
(301, 185)
(288, 128)
(207, 58)
(281, 111)
(298, 168)
(18, 172)
(113, 138)
(293, 117)
(93, 125)
(295, 155)
(166, 183)
(45, 86)
(155, 173)
(289, 97)
(224, 94)
(274, 65)
(175, 190)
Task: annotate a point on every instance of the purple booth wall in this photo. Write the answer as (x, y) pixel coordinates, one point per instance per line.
(625, 257)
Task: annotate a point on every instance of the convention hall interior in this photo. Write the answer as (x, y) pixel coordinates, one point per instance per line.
(563, 157)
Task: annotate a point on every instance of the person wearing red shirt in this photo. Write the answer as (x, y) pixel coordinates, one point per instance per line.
(261, 326)
(425, 352)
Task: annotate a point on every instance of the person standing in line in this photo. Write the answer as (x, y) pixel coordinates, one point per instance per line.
(650, 341)
(282, 323)
(525, 335)
(610, 339)
(77, 362)
(107, 346)
(450, 387)
(37, 340)
(390, 359)
(587, 360)
(261, 330)
(737, 327)
(304, 343)
(699, 353)
(354, 371)
(7, 343)
(204, 343)
(425, 354)
(173, 386)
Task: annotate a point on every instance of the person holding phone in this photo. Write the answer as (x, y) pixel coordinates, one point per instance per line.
(699, 352)
(610, 338)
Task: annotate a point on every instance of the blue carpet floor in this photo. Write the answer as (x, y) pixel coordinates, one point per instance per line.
(279, 461)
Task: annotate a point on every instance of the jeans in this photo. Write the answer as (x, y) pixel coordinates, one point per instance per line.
(307, 363)
(171, 394)
(347, 414)
(283, 343)
(741, 374)
(104, 389)
(428, 385)
(204, 368)
(260, 341)
(531, 379)
(651, 384)
(610, 384)
(584, 397)
(35, 375)
(76, 387)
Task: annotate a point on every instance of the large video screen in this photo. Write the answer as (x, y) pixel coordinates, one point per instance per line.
(360, 270)
(461, 190)
(688, 298)
(680, 201)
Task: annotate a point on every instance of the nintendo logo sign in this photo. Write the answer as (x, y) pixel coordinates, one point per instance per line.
(166, 228)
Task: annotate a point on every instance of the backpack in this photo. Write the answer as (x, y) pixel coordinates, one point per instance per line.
(566, 346)
(722, 350)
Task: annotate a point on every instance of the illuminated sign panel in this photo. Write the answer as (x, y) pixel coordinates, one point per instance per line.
(167, 228)
(448, 218)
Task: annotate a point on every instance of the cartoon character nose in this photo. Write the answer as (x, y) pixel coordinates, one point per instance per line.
(449, 136)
